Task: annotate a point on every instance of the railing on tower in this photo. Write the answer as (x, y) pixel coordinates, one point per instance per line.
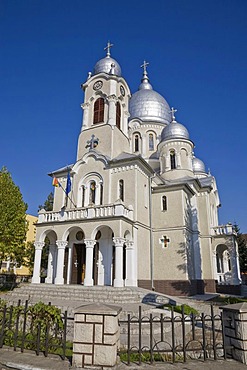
(227, 229)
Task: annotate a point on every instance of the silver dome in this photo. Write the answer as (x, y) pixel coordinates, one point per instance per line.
(105, 65)
(198, 165)
(148, 105)
(174, 131)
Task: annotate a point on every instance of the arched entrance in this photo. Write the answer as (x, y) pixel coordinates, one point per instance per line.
(223, 264)
(104, 256)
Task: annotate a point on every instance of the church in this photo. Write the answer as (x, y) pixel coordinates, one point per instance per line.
(137, 208)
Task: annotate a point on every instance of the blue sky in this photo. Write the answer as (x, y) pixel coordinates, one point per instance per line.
(197, 52)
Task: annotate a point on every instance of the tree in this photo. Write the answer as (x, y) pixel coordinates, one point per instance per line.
(48, 205)
(13, 224)
(242, 249)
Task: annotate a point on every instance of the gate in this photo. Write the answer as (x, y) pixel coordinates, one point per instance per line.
(172, 337)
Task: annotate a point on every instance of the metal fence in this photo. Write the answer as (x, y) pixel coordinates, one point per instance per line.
(21, 329)
(172, 337)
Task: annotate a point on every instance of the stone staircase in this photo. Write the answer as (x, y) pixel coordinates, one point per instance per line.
(69, 297)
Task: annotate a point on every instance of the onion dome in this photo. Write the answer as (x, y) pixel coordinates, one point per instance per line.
(107, 64)
(174, 131)
(147, 104)
(198, 165)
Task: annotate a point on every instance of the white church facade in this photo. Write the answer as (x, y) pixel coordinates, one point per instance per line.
(141, 210)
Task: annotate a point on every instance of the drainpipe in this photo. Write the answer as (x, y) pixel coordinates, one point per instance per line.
(151, 233)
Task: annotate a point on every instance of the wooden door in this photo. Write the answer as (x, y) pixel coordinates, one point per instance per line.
(78, 264)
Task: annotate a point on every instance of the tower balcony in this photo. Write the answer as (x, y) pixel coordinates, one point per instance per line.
(90, 212)
(223, 230)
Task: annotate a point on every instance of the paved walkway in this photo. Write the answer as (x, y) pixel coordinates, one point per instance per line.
(9, 359)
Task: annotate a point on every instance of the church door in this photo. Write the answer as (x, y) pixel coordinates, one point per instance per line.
(78, 264)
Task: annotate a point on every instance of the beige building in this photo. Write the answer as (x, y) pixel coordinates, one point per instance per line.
(140, 208)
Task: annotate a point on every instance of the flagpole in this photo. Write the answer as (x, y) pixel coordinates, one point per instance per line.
(67, 196)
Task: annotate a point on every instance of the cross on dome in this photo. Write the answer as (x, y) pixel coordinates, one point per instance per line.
(144, 66)
(173, 111)
(108, 48)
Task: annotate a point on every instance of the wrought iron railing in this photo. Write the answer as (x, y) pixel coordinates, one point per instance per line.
(172, 337)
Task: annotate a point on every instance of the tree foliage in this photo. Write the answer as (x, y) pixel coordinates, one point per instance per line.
(48, 205)
(13, 224)
(242, 249)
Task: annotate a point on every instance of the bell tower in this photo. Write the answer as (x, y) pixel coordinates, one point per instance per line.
(105, 108)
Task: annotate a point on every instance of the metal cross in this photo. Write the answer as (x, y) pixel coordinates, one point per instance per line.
(173, 111)
(91, 144)
(108, 47)
(144, 66)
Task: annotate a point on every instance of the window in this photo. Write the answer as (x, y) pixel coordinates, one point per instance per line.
(101, 194)
(164, 203)
(83, 196)
(92, 192)
(98, 115)
(151, 141)
(118, 115)
(172, 159)
(121, 190)
(136, 143)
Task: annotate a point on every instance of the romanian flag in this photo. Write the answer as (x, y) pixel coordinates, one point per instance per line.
(55, 182)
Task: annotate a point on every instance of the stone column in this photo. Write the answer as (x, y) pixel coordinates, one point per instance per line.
(51, 264)
(112, 99)
(118, 281)
(69, 269)
(235, 330)
(85, 108)
(88, 281)
(37, 262)
(236, 276)
(61, 245)
(96, 336)
(131, 279)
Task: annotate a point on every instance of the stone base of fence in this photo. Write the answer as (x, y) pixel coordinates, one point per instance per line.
(235, 331)
(96, 336)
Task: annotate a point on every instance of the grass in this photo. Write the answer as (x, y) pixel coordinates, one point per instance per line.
(224, 300)
(188, 310)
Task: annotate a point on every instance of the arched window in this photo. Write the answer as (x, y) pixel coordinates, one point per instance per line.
(136, 143)
(164, 203)
(118, 115)
(121, 189)
(173, 159)
(98, 111)
(92, 192)
(151, 141)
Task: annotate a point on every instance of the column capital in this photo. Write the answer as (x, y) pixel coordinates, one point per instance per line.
(112, 97)
(85, 106)
(39, 245)
(119, 242)
(89, 243)
(61, 244)
(129, 244)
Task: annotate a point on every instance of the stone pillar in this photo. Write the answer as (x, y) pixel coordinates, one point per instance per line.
(51, 264)
(96, 336)
(118, 281)
(69, 269)
(85, 108)
(235, 330)
(234, 257)
(88, 281)
(112, 99)
(37, 262)
(61, 245)
(131, 279)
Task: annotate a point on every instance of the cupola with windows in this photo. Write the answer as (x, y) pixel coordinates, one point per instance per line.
(175, 151)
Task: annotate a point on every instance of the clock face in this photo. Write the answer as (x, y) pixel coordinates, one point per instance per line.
(122, 90)
(97, 85)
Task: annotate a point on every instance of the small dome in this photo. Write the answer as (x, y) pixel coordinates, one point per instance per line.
(174, 131)
(106, 65)
(198, 165)
(148, 105)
